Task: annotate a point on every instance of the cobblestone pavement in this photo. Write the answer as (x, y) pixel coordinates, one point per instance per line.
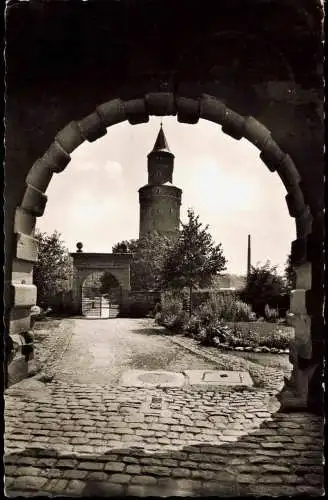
(84, 435)
(51, 339)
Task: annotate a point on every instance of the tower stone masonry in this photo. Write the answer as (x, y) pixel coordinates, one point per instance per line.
(160, 200)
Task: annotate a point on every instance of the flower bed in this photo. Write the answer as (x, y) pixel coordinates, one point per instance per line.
(224, 322)
(260, 336)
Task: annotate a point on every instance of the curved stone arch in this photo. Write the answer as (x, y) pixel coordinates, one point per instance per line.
(188, 110)
(115, 274)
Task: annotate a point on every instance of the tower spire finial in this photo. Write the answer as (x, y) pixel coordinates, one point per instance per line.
(161, 142)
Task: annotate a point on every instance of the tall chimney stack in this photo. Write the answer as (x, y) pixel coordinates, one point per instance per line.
(249, 255)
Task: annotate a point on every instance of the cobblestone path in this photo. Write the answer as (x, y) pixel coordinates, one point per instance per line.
(84, 435)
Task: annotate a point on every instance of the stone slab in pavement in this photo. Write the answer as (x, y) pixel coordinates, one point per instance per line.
(151, 378)
(218, 378)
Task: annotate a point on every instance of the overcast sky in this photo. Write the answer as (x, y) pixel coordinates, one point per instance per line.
(95, 200)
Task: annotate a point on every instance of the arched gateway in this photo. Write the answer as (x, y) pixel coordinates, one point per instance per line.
(218, 64)
(188, 110)
(91, 296)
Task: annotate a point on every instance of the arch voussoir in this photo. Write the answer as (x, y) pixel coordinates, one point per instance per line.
(289, 173)
(92, 127)
(233, 124)
(112, 112)
(300, 251)
(212, 109)
(40, 175)
(70, 137)
(188, 110)
(272, 155)
(256, 133)
(56, 157)
(160, 103)
(304, 223)
(34, 201)
(24, 222)
(295, 202)
(136, 111)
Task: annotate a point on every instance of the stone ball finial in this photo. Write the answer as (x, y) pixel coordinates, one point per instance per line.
(79, 246)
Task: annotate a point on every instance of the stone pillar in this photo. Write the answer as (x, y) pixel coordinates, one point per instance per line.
(77, 293)
(304, 389)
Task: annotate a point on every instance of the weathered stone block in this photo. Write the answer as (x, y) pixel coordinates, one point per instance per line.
(26, 248)
(92, 126)
(112, 112)
(288, 172)
(136, 111)
(314, 301)
(255, 132)
(188, 110)
(34, 201)
(300, 251)
(304, 223)
(233, 124)
(57, 157)
(22, 272)
(303, 275)
(70, 137)
(302, 340)
(23, 295)
(39, 175)
(211, 109)
(24, 222)
(17, 370)
(160, 103)
(20, 320)
(295, 202)
(297, 302)
(272, 155)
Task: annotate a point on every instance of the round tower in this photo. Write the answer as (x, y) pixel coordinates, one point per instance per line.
(160, 200)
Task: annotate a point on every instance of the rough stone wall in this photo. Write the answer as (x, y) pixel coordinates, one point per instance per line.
(160, 168)
(159, 209)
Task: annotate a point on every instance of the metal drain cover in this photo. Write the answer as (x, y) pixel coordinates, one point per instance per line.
(218, 377)
(155, 378)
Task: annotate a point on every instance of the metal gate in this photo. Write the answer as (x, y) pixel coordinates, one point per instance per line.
(101, 296)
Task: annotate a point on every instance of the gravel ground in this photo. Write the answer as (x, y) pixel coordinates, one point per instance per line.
(100, 350)
(92, 351)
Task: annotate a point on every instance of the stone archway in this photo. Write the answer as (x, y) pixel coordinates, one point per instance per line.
(84, 264)
(304, 309)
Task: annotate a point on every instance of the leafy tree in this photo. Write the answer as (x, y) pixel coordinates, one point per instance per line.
(54, 269)
(290, 275)
(149, 254)
(194, 259)
(263, 286)
(125, 246)
(109, 286)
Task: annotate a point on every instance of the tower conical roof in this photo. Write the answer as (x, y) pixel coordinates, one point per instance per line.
(161, 144)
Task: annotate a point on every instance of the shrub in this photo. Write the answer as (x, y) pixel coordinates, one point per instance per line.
(172, 303)
(172, 313)
(192, 326)
(263, 286)
(224, 307)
